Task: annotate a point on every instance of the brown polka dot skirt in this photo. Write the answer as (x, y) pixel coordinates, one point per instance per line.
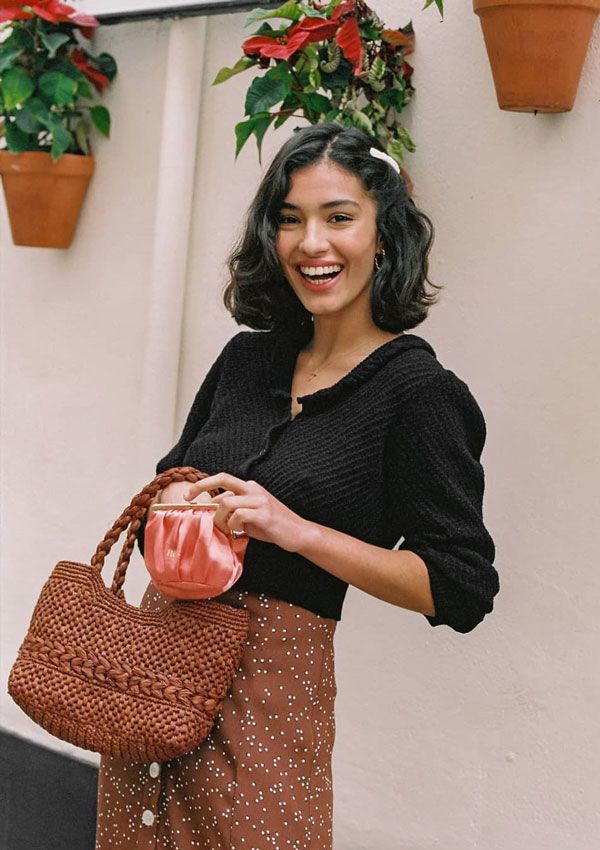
(262, 779)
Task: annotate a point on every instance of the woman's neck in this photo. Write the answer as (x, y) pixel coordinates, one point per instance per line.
(330, 341)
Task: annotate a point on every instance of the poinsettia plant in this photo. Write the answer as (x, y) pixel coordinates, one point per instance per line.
(46, 77)
(327, 61)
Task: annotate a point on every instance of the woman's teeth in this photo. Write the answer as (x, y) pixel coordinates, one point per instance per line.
(320, 274)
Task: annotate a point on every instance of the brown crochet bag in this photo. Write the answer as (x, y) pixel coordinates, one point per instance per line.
(110, 677)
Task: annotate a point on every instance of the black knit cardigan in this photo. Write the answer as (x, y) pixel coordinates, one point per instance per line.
(389, 453)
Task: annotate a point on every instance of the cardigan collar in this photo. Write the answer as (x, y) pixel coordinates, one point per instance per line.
(286, 345)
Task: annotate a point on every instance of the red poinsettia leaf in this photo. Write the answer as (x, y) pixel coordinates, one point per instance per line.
(99, 80)
(13, 14)
(87, 22)
(319, 29)
(345, 8)
(261, 45)
(348, 40)
(398, 38)
(57, 12)
(87, 32)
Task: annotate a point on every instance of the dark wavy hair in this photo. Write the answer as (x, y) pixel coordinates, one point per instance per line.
(260, 296)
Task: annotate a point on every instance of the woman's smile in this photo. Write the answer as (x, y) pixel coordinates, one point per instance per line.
(321, 276)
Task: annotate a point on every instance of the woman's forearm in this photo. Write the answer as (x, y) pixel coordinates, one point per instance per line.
(399, 577)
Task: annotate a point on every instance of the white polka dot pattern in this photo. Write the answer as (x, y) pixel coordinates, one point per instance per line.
(262, 779)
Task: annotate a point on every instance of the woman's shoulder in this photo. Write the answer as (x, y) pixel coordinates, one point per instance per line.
(430, 389)
(245, 344)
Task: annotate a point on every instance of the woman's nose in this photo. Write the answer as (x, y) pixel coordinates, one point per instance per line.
(314, 239)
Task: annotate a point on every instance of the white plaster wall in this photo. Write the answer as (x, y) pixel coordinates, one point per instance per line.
(487, 740)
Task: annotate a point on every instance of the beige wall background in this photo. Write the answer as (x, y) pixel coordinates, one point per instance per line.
(486, 740)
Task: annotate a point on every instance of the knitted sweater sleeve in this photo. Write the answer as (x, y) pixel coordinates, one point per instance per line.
(435, 485)
(196, 418)
(198, 414)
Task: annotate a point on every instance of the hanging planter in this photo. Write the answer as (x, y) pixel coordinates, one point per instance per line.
(536, 50)
(46, 79)
(43, 197)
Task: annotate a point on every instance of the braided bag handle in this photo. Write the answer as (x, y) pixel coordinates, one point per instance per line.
(132, 518)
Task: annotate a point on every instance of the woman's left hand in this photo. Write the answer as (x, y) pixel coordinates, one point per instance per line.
(246, 506)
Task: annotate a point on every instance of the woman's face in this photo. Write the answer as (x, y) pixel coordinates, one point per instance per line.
(328, 238)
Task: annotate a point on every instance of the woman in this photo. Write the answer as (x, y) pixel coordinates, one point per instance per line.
(330, 437)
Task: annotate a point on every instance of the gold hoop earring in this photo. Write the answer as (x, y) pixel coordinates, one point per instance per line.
(379, 259)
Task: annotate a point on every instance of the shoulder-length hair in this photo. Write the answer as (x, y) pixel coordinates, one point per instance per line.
(260, 296)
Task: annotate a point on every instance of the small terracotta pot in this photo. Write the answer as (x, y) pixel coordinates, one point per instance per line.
(43, 197)
(536, 50)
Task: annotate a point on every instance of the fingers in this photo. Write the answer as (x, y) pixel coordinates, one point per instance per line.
(223, 480)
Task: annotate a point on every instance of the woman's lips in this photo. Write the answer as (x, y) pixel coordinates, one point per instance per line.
(313, 286)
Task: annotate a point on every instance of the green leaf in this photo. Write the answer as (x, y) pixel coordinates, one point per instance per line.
(39, 111)
(256, 124)
(378, 68)
(406, 140)
(26, 118)
(58, 88)
(314, 78)
(339, 78)
(362, 121)
(7, 58)
(369, 32)
(281, 71)
(438, 3)
(226, 73)
(101, 118)
(289, 10)
(20, 37)
(243, 131)
(290, 103)
(16, 139)
(260, 129)
(281, 119)
(53, 40)
(63, 65)
(394, 148)
(16, 86)
(106, 64)
(82, 130)
(61, 140)
(84, 89)
(310, 12)
(315, 102)
(265, 92)
(267, 29)
(393, 97)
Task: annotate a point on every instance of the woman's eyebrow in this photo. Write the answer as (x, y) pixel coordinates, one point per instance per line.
(338, 203)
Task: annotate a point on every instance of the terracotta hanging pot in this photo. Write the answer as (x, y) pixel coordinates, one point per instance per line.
(43, 197)
(536, 50)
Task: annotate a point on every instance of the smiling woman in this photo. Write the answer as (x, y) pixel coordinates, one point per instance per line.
(325, 183)
(328, 439)
(328, 236)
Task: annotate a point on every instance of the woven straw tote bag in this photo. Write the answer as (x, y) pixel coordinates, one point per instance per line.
(109, 677)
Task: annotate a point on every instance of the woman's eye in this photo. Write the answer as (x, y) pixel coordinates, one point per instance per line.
(286, 219)
(340, 218)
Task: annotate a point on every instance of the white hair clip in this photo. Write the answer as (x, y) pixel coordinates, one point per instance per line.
(386, 158)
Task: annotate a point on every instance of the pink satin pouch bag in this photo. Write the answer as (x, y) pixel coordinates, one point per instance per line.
(187, 556)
